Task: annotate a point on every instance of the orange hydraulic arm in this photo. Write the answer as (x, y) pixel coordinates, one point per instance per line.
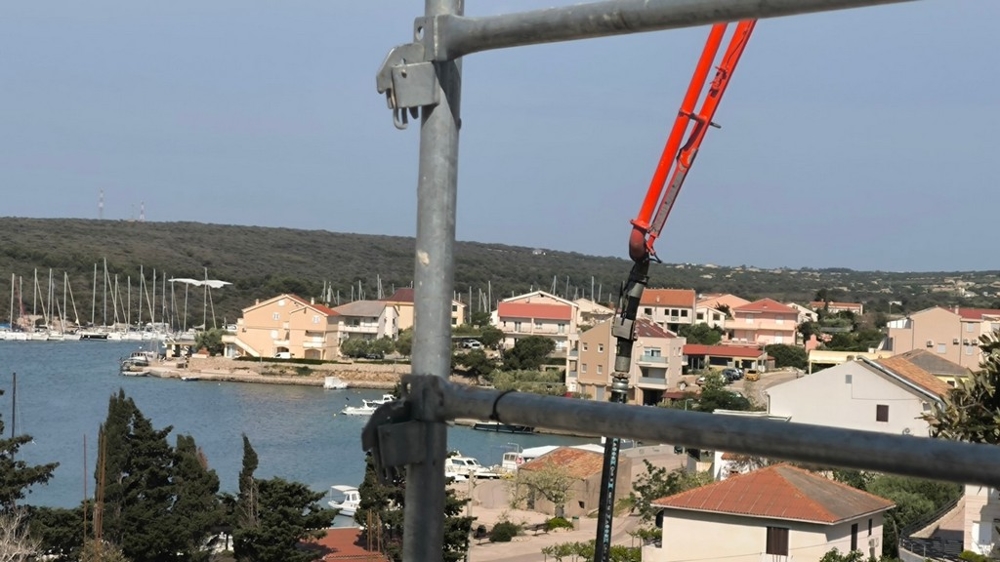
(647, 227)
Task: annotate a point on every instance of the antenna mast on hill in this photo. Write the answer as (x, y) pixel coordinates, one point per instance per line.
(100, 206)
(142, 214)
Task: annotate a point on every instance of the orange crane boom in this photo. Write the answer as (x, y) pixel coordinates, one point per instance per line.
(646, 227)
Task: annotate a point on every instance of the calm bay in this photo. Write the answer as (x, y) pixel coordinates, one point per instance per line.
(62, 397)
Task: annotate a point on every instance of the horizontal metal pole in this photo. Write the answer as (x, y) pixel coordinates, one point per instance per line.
(923, 457)
(454, 36)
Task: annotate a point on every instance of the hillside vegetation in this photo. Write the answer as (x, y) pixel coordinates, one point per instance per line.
(262, 262)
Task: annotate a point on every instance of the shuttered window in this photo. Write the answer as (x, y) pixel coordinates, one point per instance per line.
(777, 541)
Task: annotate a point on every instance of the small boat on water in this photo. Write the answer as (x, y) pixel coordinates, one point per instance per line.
(498, 427)
(346, 499)
(365, 410)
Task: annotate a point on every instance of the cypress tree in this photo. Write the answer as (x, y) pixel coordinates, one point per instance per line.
(196, 508)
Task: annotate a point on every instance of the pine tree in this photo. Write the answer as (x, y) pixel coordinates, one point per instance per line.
(196, 507)
(381, 511)
(16, 476)
(275, 516)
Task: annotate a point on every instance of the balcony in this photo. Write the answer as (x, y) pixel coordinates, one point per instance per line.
(651, 360)
(313, 343)
(570, 375)
(652, 382)
(574, 353)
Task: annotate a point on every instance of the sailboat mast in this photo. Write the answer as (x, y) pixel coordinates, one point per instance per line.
(34, 297)
(105, 291)
(13, 280)
(152, 307)
(69, 288)
(93, 298)
(204, 311)
(142, 285)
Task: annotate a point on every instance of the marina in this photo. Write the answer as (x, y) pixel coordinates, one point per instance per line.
(63, 390)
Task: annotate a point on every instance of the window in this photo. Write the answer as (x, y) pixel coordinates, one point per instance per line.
(777, 541)
(968, 349)
(600, 369)
(942, 348)
(684, 314)
(585, 346)
(854, 536)
(652, 352)
(848, 378)
(583, 368)
(454, 321)
(600, 348)
(647, 311)
(882, 413)
(968, 327)
(316, 319)
(276, 316)
(538, 325)
(869, 527)
(562, 328)
(715, 317)
(517, 326)
(700, 316)
(454, 308)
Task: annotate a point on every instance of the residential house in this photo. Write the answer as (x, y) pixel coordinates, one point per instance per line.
(982, 517)
(949, 333)
(950, 373)
(657, 362)
(726, 464)
(285, 326)
(765, 322)
(806, 314)
(537, 314)
(670, 308)
(855, 308)
(722, 301)
(889, 396)
(699, 356)
(591, 313)
(345, 543)
(829, 358)
(584, 468)
(779, 514)
(715, 318)
(402, 301)
(370, 320)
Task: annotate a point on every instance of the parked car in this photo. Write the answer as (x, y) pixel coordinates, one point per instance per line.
(472, 344)
(375, 356)
(731, 375)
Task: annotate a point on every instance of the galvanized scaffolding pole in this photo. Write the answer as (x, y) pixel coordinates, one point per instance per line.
(425, 76)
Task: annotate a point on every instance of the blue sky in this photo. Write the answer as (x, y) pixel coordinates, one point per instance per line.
(863, 139)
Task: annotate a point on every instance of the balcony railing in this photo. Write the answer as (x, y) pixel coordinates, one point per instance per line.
(653, 381)
(651, 359)
(574, 353)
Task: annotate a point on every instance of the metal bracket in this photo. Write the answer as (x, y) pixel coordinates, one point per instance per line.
(395, 434)
(408, 81)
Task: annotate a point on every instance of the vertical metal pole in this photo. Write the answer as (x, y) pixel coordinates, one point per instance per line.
(423, 521)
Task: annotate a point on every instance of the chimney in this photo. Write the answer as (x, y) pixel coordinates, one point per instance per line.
(258, 301)
(312, 300)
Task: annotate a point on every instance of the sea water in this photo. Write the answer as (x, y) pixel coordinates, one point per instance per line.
(62, 395)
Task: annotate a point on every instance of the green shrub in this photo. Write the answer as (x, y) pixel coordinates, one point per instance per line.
(504, 531)
(303, 371)
(558, 523)
(972, 556)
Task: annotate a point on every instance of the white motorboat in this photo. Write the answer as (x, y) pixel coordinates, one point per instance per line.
(365, 410)
(346, 499)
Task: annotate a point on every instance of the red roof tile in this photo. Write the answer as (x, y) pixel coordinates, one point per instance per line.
(668, 297)
(977, 313)
(535, 311)
(723, 350)
(766, 305)
(321, 308)
(910, 372)
(401, 295)
(780, 492)
(342, 544)
(578, 463)
(647, 329)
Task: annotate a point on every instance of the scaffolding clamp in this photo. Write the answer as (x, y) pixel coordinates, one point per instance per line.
(396, 434)
(409, 82)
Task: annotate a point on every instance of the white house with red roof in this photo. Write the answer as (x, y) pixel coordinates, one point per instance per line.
(779, 514)
(286, 326)
(656, 367)
(537, 314)
(952, 334)
(700, 356)
(765, 322)
(669, 308)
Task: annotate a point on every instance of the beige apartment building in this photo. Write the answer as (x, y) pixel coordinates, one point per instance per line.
(668, 308)
(369, 320)
(286, 326)
(765, 322)
(537, 314)
(402, 302)
(657, 362)
(952, 334)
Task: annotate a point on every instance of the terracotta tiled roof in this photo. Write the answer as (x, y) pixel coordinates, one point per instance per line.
(822, 304)
(723, 350)
(934, 364)
(766, 305)
(668, 297)
(319, 307)
(977, 313)
(913, 374)
(646, 329)
(780, 492)
(577, 463)
(401, 295)
(536, 311)
(342, 544)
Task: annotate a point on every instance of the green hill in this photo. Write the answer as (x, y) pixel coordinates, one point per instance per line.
(262, 262)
